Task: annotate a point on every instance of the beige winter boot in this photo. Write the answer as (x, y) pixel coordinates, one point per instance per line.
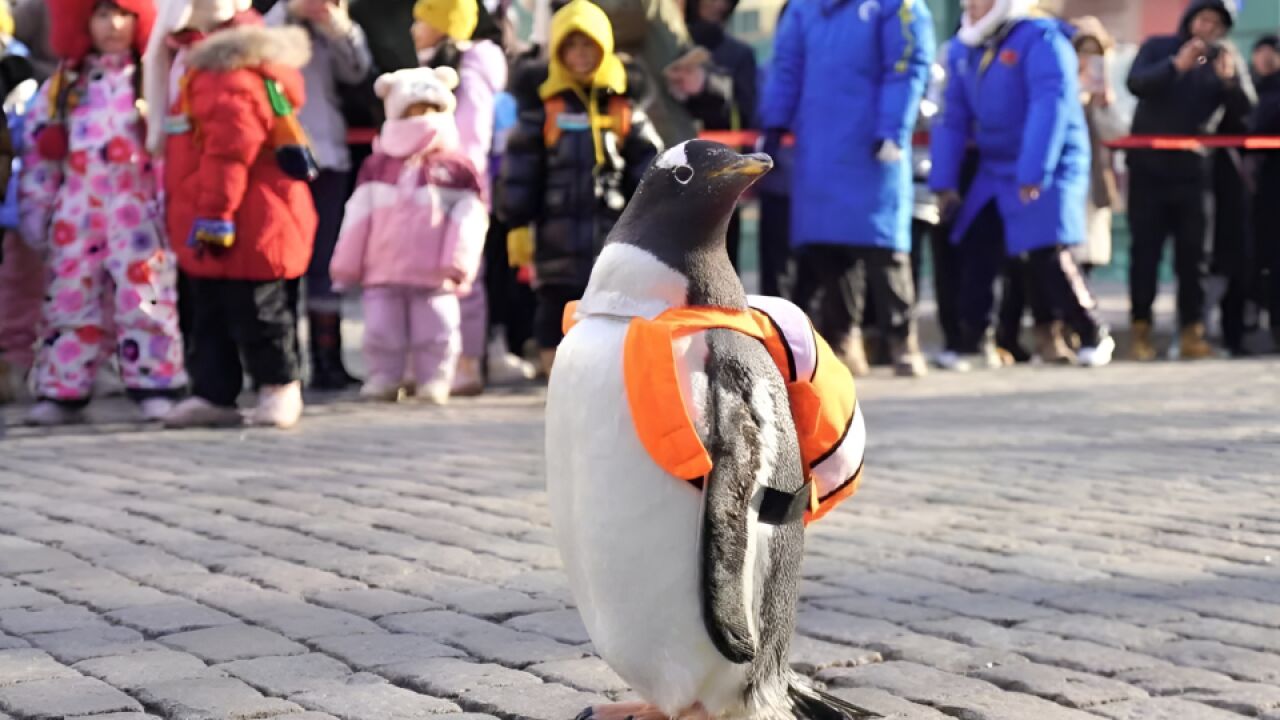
(279, 406)
(1192, 344)
(853, 353)
(1051, 346)
(467, 381)
(908, 361)
(1141, 347)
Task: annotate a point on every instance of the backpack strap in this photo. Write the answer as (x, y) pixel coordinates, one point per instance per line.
(553, 108)
(620, 115)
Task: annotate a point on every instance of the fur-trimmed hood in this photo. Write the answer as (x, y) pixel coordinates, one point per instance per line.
(974, 32)
(248, 46)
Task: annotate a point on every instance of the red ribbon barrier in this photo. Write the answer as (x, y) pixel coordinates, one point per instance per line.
(748, 138)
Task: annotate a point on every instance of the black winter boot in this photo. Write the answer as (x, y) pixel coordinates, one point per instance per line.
(327, 370)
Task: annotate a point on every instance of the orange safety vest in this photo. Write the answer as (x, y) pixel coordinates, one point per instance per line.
(823, 401)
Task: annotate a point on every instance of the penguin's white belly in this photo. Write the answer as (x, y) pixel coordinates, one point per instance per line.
(628, 532)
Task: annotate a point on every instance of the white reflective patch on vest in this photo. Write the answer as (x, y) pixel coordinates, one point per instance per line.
(841, 466)
(796, 330)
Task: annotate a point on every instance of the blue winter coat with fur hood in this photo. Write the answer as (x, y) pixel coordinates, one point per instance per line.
(1017, 98)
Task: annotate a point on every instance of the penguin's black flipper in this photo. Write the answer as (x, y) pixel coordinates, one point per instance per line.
(810, 703)
(751, 439)
(734, 445)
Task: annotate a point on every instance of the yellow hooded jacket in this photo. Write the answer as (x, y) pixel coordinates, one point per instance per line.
(584, 16)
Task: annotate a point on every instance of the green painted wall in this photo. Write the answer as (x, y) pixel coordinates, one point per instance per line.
(1258, 18)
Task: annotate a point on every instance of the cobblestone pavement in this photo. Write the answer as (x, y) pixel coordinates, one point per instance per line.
(1030, 545)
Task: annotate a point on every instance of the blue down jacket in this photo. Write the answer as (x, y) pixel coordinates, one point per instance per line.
(1017, 98)
(847, 74)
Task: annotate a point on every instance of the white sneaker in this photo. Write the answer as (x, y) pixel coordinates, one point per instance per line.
(952, 361)
(196, 412)
(1100, 356)
(506, 366)
(380, 390)
(279, 406)
(155, 408)
(433, 394)
(467, 381)
(47, 413)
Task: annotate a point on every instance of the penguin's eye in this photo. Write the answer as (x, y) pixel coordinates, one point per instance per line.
(683, 174)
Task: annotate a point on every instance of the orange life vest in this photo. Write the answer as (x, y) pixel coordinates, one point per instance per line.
(824, 405)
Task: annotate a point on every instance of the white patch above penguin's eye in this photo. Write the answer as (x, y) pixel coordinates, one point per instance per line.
(683, 174)
(673, 158)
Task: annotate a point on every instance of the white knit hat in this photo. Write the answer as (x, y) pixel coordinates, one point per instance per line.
(157, 64)
(402, 88)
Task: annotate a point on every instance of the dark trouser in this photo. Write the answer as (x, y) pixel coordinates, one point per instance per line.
(1266, 229)
(235, 319)
(1233, 254)
(1158, 209)
(847, 276)
(552, 300)
(511, 302)
(1017, 291)
(775, 242)
(329, 192)
(1051, 270)
(946, 289)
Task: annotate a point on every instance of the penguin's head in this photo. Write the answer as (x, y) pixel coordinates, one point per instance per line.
(681, 210)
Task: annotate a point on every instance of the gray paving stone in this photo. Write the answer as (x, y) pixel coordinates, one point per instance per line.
(1228, 608)
(453, 678)
(483, 640)
(64, 697)
(19, 666)
(24, 597)
(129, 672)
(211, 699)
(1250, 699)
(809, 655)
(300, 621)
(913, 682)
(233, 642)
(1233, 661)
(72, 646)
(289, 675)
(1064, 687)
(1104, 631)
(124, 716)
(1174, 680)
(588, 674)
(372, 603)
(547, 701)
(880, 608)
(1229, 633)
(12, 643)
(19, 556)
(944, 654)
(562, 625)
(990, 607)
(170, 618)
(365, 699)
(101, 590)
(56, 618)
(1162, 709)
(370, 651)
(1038, 647)
(889, 706)
(286, 576)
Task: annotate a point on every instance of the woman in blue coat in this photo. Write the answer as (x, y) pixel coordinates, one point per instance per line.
(1014, 93)
(847, 78)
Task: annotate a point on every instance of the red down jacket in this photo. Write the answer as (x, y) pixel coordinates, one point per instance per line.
(224, 168)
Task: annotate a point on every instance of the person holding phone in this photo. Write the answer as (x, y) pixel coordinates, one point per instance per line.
(1190, 83)
(1094, 46)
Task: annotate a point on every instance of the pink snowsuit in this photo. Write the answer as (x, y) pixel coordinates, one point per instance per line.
(482, 74)
(107, 262)
(412, 238)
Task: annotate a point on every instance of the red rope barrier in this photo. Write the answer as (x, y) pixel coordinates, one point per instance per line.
(748, 138)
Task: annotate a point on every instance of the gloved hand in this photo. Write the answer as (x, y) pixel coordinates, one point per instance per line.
(888, 152)
(772, 142)
(219, 234)
(520, 247)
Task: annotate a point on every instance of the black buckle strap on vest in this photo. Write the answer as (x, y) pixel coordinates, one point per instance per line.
(777, 507)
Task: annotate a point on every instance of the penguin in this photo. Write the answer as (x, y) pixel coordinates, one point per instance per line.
(684, 590)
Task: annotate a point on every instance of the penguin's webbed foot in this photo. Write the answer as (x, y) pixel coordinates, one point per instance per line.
(622, 711)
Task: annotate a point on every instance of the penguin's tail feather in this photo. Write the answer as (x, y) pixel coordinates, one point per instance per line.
(810, 703)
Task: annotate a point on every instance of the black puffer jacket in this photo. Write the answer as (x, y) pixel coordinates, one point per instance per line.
(558, 190)
(735, 62)
(1197, 102)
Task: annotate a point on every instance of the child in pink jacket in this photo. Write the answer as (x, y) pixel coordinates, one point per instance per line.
(413, 237)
